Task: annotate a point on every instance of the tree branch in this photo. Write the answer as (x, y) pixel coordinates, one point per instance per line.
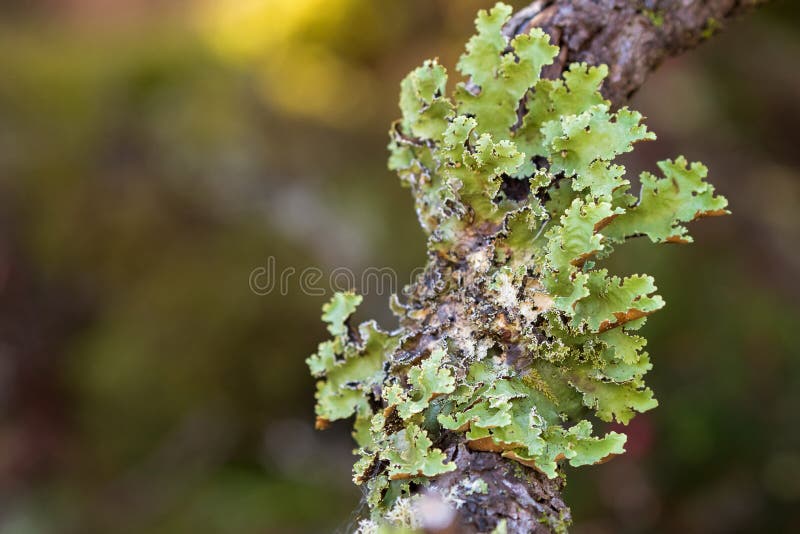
(631, 37)
(451, 304)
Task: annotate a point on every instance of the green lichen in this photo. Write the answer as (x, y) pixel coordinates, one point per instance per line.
(425, 381)
(525, 340)
(477, 485)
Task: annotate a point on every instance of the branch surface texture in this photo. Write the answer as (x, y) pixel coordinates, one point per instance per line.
(631, 37)
(516, 346)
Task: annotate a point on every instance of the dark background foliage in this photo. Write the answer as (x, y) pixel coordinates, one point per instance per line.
(152, 154)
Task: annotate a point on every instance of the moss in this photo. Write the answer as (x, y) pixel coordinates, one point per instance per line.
(712, 27)
(655, 16)
(559, 525)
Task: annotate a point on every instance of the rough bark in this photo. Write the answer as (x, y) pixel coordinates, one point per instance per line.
(448, 302)
(525, 498)
(632, 38)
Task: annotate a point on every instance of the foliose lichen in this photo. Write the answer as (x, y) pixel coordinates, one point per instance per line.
(516, 338)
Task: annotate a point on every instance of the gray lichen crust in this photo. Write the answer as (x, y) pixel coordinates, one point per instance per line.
(515, 339)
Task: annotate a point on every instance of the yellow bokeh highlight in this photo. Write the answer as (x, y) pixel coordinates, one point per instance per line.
(297, 75)
(246, 28)
(314, 83)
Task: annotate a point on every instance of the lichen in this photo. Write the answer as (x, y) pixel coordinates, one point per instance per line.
(516, 338)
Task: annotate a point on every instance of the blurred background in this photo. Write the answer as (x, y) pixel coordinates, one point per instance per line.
(153, 153)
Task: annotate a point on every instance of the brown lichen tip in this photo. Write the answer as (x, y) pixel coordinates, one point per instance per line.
(711, 213)
(321, 423)
(678, 240)
(622, 318)
(490, 444)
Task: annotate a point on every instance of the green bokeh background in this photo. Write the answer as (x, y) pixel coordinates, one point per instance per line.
(152, 154)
